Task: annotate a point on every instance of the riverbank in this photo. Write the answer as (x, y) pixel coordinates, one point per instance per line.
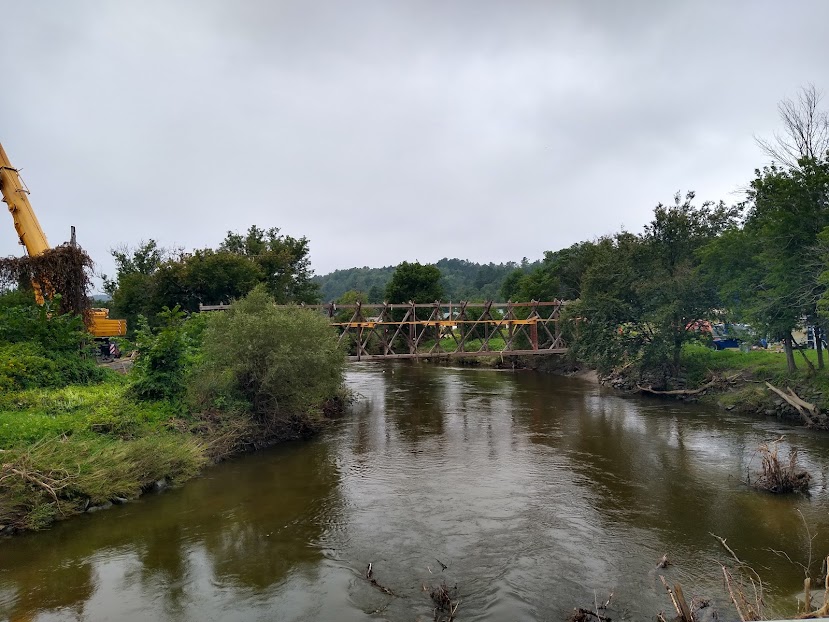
(739, 381)
(82, 448)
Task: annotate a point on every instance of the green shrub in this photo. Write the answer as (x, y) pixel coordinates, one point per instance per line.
(28, 365)
(165, 355)
(21, 320)
(277, 362)
(39, 348)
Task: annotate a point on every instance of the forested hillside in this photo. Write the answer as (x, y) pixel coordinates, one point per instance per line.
(460, 280)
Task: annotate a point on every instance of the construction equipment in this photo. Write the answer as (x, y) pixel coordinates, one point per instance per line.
(16, 196)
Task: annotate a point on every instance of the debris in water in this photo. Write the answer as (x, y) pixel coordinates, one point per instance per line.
(781, 476)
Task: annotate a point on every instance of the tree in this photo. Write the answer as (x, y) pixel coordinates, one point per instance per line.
(213, 277)
(805, 131)
(673, 293)
(643, 295)
(284, 262)
(788, 209)
(150, 278)
(144, 259)
(414, 282)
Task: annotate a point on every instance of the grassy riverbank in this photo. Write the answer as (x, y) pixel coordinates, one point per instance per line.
(201, 390)
(734, 379)
(67, 450)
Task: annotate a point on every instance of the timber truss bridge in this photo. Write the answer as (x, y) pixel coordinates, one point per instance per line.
(443, 330)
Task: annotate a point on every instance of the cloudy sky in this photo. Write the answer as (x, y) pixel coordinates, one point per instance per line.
(390, 130)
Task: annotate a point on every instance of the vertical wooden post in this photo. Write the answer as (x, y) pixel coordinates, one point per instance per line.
(557, 316)
(412, 328)
(534, 334)
(510, 327)
(359, 315)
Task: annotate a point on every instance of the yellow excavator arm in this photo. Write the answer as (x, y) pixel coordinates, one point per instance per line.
(16, 196)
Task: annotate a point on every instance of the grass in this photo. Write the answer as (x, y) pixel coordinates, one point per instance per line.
(30, 415)
(758, 365)
(697, 360)
(63, 450)
(56, 478)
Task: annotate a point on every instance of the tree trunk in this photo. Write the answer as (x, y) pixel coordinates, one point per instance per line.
(819, 346)
(787, 347)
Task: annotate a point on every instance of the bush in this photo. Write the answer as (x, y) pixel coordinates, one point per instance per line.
(276, 362)
(21, 320)
(40, 348)
(165, 355)
(29, 365)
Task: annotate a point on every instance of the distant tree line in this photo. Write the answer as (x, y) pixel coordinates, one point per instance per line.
(459, 280)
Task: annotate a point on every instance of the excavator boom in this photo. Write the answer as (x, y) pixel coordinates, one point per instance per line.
(16, 196)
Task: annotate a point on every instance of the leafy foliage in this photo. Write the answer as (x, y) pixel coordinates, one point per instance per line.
(40, 347)
(150, 278)
(459, 278)
(277, 363)
(414, 282)
(643, 295)
(165, 355)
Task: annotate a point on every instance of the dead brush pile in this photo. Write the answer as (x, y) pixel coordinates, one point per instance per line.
(62, 270)
(780, 476)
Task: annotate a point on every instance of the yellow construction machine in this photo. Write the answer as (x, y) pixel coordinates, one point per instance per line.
(16, 196)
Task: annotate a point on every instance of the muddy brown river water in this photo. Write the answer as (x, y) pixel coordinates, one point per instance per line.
(539, 493)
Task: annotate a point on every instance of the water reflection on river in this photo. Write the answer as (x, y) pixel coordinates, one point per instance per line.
(534, 490)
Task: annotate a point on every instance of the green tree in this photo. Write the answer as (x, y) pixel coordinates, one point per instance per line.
(212, 277)
(770, 272)
(284, 261)
(149, 277)
(642, 295)
(414, 282)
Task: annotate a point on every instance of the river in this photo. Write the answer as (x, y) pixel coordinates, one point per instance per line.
(538, 493)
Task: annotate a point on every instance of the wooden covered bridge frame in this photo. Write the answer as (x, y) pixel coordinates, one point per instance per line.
(435, 330)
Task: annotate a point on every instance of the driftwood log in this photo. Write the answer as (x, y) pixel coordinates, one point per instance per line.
(809, 413)
(678, 392)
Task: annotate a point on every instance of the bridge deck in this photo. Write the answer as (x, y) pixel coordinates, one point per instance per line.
(455, 354)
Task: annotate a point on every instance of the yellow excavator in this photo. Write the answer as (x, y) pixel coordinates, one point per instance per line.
(16, 196)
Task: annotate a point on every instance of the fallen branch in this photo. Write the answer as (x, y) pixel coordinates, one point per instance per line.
(728, 548)
(681, 392)
(808, 412)
(373, 581)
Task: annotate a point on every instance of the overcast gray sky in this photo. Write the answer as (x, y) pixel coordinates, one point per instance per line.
(387, 131)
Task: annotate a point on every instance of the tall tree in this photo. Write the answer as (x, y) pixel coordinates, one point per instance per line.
(414, 282)
(642, 295)
(788, 210)
(284, 261)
